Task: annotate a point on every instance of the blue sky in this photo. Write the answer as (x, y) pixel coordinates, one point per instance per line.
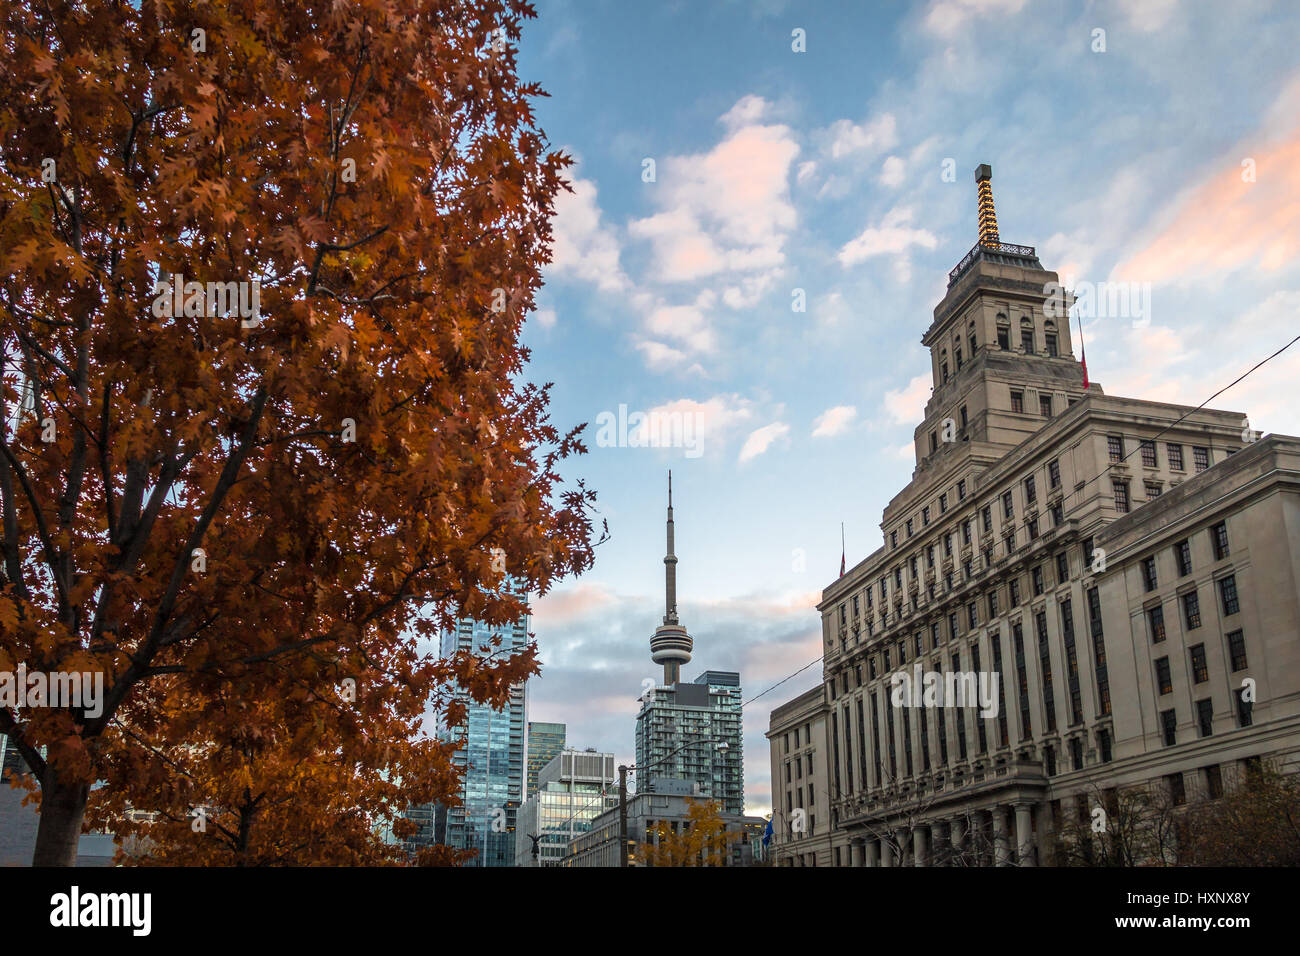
(1170, 158)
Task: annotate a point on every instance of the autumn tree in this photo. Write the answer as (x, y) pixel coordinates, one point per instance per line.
(1133, 826)
(263, 270)
(1256, 822)
(702, 840)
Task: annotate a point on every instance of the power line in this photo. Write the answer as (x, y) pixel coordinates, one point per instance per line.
(781, 681)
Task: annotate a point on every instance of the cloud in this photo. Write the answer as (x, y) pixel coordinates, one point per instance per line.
(760, 439)
(583, 248)
(847, 137)
(726, 210)
(747, 111)
(1243, 215)
(711, 421)
(684, 323)
(946, 17)
(545, 318)
(891, 237)
(892, 172)
(906, 406)
(834, 421)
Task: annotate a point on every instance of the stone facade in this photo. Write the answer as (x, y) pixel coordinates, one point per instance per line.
(1124, 567)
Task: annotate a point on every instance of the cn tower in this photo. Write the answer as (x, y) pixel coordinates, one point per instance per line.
(671, 645)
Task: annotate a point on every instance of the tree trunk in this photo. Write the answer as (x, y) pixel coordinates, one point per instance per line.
(63, 805)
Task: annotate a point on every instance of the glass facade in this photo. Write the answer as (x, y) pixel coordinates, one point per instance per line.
(572, 790)
(544, 742)
(491, 758)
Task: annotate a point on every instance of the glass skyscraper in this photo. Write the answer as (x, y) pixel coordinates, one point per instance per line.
(572, 790)
(544, 742)
(491, 759)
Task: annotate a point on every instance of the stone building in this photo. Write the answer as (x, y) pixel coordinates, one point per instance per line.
(1128, 570)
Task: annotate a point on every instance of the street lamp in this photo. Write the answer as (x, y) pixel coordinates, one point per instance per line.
(723, 747)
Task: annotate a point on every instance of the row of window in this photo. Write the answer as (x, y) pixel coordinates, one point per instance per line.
(1173, 451)
(1027, 346)
(1245, 708)
(1200, 668)
(1183, 558)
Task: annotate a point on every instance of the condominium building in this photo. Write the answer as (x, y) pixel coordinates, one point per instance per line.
(1117, 577)
(572, 789)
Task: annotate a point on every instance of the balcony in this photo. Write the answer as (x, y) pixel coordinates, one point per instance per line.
(1001, 252)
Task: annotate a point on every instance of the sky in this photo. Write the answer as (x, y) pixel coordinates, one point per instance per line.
(1162, 152)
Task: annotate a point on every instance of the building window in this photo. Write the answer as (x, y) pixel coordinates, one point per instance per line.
(1176, 792)
(1156, 621)
(893, 539)
(1008, 507)
(934, 442)
(1054, 474)
(929, 556)
(1010, 541)
(1036, 576)
(1049, 761)
(1205, 716)
(961, 490)
(1200, 671)
(1062, 567)
(1152, 489)
(1149, 581)
(1169, 724)
(1148, 453)
(1017, 401)
(934, 635)
(947, 546)
(1175, 456)
(1120, 487)
(1058, 515)
(1103, 744)
(972, 614)
(1228, 591)
(1192, 610)
(1200, 458)
(1219, 539)
(945, 371)
(909, 527)
(1004, 338)
(1031, 491)
(986, 518)
(1045, 405)
(1013, 591)
(1213, 782)
(1115, 446)
(965, 532)
(1183, 556)
(993, 604)
(1027, 341)
(963, 418)
(1237, 650)
(925, 516)
(1050, 341)
(943, 503)
(1033, 528)
(1076, 752)
(1245, 708)
(1164, 681)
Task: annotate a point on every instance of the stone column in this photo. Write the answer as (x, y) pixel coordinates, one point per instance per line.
(886, 853)
(956, 832)
(918, 846)
(1001, 857)
(1024, 835)
(872, 850)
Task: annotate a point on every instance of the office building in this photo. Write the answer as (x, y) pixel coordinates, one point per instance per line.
(572, 789)
(1126, 569)
(542, 741)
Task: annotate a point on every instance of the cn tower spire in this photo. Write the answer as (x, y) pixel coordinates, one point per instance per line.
(671, 646)
(670, 565)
